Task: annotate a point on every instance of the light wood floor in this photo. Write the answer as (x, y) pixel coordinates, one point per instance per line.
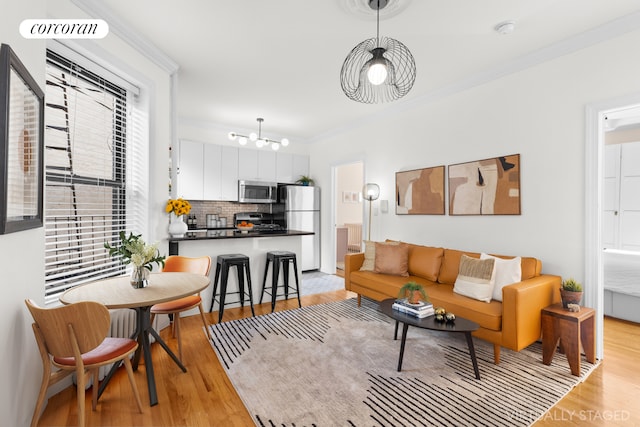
(205, 397)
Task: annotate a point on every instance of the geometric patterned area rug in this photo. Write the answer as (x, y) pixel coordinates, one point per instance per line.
(335, 364)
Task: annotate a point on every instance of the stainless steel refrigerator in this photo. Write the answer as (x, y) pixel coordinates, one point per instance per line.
(302, 212)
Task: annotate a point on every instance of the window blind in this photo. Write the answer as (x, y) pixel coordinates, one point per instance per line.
(95, 169)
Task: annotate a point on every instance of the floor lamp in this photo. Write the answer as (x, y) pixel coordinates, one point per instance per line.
(370, 192)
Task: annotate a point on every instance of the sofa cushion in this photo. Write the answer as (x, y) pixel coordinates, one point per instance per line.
(507, 271)
(476, 278)
(392, 258)
(424, 261)
(488, 316)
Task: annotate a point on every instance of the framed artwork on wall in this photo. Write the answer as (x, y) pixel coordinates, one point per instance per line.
(21, 145)
(485, 187)
(420, 191)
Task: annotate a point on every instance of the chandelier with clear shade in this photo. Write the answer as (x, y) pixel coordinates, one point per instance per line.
(258, 138)
(379, 69)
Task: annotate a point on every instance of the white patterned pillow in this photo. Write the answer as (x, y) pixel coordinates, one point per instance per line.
(508, 271)
(369, 256)
(475, 278)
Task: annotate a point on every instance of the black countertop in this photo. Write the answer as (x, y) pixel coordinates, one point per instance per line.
(230, 233)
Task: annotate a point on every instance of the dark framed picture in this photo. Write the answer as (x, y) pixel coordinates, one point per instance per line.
(420, 191)
(21, 145)
(485, 187)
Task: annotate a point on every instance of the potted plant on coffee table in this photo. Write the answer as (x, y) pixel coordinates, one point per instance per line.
(413, 292)
(570, 292)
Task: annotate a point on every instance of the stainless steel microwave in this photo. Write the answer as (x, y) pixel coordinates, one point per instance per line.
(257, 192)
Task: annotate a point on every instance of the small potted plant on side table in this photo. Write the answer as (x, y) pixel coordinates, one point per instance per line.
(570, 292)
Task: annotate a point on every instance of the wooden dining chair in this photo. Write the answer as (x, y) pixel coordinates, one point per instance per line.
(198, 265)
(74, 338)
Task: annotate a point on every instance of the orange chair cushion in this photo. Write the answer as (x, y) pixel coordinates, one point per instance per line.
(177, 305)
(111, 348)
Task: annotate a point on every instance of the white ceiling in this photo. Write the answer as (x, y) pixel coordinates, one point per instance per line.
(281, 59)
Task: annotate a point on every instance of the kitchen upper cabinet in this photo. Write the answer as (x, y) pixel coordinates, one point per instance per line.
(211, 171)
(229, 173)
(289, 167)
(300, 166)
(267, 165)
(207, 171)
(220, 172)
(257, 165)
(190, 170)
(284, 168)
(248, 164)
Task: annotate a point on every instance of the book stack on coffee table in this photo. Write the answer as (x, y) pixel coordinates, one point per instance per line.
(419, 310)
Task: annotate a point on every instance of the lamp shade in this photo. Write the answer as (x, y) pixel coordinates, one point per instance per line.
(371, 191)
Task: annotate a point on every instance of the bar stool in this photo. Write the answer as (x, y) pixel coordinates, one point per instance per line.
(223, 263)
(276, 258)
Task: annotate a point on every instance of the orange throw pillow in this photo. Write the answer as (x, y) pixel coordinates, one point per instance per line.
(392, 258)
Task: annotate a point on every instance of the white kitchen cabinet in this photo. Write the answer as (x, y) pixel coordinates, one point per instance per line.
(248, 164)
(207, 171)
(229, 174)
(257, 165)
(220, 172)
(300, 166)
(190, 170)
(284, 167)
(267, 165)
(211, 174)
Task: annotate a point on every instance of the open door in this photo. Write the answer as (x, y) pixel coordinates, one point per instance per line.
(348, 211)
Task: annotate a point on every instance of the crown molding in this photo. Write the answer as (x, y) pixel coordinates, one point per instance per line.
(580, 41)
(118, 27)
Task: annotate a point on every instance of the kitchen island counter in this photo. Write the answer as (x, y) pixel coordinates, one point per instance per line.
(231, 233)
(255, 244)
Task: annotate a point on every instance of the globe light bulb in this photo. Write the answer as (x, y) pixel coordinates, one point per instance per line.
(275, 146)
(243, 140)
(260, 143)
(253, 136)
(377, 73)
(284, 142)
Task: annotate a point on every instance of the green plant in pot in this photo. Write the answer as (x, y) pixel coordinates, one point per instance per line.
(570, 292)
(305, 180)
(413, 292)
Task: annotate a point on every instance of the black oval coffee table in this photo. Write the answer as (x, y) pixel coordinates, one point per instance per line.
(460, 325)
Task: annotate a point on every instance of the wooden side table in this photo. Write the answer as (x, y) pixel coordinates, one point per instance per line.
(570, 329)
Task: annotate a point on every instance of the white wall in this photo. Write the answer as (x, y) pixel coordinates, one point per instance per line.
(348, 179)
(22, 267)
(22, 261)
(538, 113)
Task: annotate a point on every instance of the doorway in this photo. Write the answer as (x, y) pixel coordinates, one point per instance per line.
(596, 123)
(348, 211)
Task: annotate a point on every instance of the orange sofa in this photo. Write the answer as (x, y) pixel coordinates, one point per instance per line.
(513, 323)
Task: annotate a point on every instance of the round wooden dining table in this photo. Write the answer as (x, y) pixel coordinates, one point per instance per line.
(117, 292)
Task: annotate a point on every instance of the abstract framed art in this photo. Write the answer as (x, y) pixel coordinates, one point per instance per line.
(485, 187)
(21, 145)
(420, 191)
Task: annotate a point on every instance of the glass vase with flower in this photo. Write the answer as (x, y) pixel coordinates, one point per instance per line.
(134, 250)
(177, 208)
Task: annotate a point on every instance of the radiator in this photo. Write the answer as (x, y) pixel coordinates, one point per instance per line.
(354, 237)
